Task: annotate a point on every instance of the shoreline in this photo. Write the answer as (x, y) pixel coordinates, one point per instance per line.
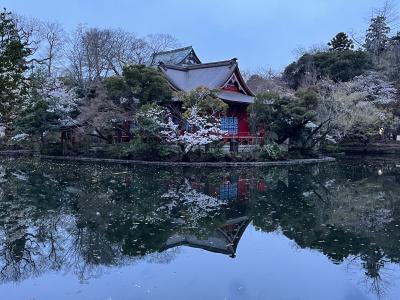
(167, 163)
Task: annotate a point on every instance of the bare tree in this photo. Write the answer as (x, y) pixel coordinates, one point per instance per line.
(75, 55)
(53, 38)
(139, 51)
(316, 48)
(98, 48)
(94, 53)
(126, 48)
(389, 11)
(30, 33)
(96, 116)
(160, 42)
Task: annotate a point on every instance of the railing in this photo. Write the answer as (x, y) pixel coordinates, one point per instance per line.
(243, 139)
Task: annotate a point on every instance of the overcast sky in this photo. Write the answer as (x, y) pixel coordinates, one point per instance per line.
(260, 33)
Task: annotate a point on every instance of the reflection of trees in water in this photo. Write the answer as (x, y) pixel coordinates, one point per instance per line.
(88, 217)
(378, 278)
(95, 216)
(345, 212)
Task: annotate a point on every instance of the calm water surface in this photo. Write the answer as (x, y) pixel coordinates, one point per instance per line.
(81, 231)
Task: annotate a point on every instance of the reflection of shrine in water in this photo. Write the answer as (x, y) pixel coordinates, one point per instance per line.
(224, 239)
(231, 188)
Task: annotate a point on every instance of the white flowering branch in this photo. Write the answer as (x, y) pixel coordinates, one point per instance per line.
(199, 130)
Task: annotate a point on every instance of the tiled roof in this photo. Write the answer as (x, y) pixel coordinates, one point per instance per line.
(173, 57)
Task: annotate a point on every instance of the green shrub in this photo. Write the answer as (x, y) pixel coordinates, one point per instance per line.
(117, 87)
(147, 84)
(271, 151)
(140, 148)
(214, 153)
(168, 152)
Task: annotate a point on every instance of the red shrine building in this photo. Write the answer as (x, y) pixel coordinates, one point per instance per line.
(185, 72)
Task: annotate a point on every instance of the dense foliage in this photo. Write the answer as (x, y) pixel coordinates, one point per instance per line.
(287, 117)
(341, 42)
(140, 83)
(147, 84)
(337, 65)
(14, 53)
(357, 91)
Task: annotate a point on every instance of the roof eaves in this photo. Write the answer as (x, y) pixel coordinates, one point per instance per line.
(195, 55)
(173, 85)
(231, 63)
(244, 83)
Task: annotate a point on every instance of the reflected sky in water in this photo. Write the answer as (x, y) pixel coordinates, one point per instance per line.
(83, 231)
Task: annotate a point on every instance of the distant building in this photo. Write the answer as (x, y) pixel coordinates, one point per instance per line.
(181, 56)
(185, 72)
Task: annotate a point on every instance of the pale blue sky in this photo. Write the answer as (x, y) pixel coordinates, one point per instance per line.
(260, 33)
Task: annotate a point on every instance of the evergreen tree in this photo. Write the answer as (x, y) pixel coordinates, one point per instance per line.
(147, 84)
(341, 42)
(395, 40)
(13, 53)
(286, 116)
(377, 39)
(340, 66)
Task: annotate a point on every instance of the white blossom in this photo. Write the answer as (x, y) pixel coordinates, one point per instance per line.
(200, 130)
(196, 204)
(19, 137)
(373, 87)
(60, 100)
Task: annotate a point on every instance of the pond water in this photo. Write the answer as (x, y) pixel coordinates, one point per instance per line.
(93, 231)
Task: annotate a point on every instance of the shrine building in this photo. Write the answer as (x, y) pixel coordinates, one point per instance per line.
(186, 72)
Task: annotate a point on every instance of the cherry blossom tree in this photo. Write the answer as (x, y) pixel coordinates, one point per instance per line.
(199, 130)
(48, 103)
(373, 87)
(61, 100)
(350, 109)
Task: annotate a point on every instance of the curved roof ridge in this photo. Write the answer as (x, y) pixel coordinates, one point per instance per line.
(175, 57)
(232, 62)
(174, 50)
(213, 75)
(244, 83)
